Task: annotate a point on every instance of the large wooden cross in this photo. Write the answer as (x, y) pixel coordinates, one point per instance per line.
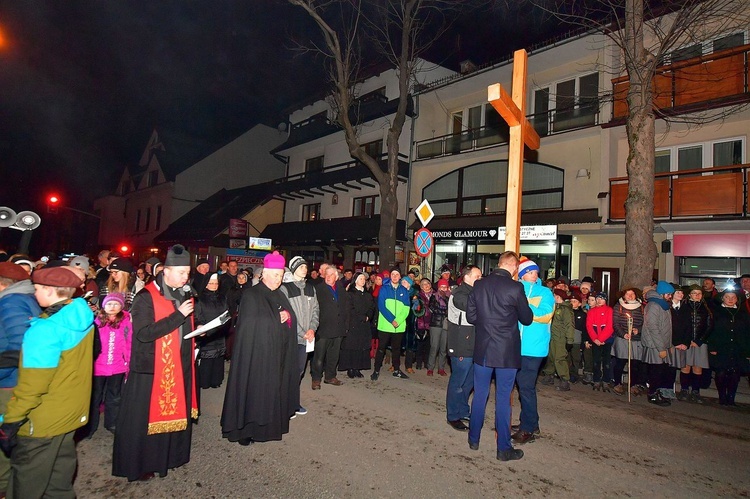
(522, 133)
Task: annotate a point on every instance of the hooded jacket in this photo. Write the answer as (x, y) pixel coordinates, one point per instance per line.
(535, 337)
(393, 304)
(17, 307)
(116, 341)
(54, 377)
(657, 323)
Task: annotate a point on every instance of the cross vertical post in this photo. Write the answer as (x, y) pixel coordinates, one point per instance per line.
(513, 111)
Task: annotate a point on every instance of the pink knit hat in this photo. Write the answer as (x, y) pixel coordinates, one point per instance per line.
(274, 261)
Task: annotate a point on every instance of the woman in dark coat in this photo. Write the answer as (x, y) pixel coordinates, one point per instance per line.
(209, 306)
(729, 345)
(263, 384)
(355, 349)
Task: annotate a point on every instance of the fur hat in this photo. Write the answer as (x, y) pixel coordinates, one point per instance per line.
(121, 264)
(177, 256)
(664, 288)
(12, 271)
(59, 277)
(274, 261)
(525, 266)
(295, 263)
(118, 297)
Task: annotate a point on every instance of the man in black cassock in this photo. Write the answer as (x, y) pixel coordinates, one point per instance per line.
(154, 424)
(263, 386)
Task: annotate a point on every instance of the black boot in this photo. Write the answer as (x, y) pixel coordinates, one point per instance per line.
(733, 382)
(351, 374)
(721, 386)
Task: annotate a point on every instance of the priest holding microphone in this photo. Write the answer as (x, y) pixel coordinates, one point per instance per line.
(154, 426)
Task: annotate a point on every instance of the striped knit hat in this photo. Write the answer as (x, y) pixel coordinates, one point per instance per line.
(525, 266)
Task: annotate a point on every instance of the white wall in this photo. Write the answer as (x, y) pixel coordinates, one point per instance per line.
(244, 161)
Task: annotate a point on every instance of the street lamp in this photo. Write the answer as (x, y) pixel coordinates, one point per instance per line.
(25, 221)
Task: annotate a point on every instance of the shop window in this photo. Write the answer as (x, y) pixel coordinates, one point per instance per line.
(311, 212)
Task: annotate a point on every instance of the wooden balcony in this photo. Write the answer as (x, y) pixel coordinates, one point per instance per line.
(705, 193)
(700, 83)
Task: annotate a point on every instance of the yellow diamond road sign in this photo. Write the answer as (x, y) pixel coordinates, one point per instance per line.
(425, 213)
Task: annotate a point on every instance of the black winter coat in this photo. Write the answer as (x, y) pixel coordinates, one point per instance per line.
(681, 329)
(332, 312)
(730, 339)
(701, 321)
(360, 312)
(208, 306)
(496, 306)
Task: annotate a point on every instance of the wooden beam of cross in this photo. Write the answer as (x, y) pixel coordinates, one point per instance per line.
(513, 111)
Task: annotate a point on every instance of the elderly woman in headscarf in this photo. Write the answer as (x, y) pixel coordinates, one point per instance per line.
(360, 309)
(212, 346)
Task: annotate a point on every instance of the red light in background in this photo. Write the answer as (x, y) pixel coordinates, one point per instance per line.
(124, 250)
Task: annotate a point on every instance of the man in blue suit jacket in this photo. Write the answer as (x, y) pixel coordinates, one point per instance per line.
(496, 306)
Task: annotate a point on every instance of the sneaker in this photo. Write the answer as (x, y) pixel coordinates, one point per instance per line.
(400, 374)
(374, 376)
(516, 427)
(301, 411)
(292, 416)
(509, 455)
(429, 372)
(548, 380)
(442, 372)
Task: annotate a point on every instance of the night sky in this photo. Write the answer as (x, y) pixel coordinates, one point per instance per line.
(83, 83)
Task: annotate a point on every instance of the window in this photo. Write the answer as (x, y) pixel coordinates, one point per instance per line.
(153, 178)
(138, 220)
(378, 94)
(724, 152)
(698, 49)
(158, 218)
(125, 187)
(574, 104)
(148, 219)
(310, 212)
(364, 206)
(314, 164)
(374, 149)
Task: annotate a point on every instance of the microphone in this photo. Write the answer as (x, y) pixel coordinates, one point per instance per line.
(189, 292)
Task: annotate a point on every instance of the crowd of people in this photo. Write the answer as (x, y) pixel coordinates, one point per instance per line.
(80, 338)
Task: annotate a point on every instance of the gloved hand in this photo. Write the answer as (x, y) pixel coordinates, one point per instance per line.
(569, 347)
(8, 432)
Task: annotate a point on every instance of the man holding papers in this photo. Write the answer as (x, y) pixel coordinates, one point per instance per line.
(154, 426)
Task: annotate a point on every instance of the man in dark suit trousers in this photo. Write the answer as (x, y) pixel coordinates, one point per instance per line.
(331, 329)
(496, 306)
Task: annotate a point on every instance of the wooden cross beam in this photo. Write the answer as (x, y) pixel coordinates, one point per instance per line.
(513, 111)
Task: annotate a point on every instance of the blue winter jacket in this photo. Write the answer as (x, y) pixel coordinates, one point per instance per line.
(17, 307)
(535, 338)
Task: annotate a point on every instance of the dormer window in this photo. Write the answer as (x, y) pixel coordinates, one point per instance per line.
(125, 187)
(153, 178)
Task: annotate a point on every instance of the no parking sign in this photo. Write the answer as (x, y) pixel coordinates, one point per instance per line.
(423, 242)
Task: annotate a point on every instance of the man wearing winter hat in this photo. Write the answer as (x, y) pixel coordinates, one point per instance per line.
(535, 339)
(17, 307)
(263, 387)
(304, 301)
(53, 390)
(201, 275)
(152, 438)
(332, 303)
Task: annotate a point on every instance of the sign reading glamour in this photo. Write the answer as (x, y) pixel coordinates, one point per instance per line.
(528, 233)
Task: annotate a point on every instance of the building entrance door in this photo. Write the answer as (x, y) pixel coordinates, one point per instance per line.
(607, 280)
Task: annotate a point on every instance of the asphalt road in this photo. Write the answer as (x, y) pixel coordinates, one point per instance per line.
(390, 439)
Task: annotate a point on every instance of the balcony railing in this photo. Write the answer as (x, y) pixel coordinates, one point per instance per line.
(690, 194)
(712, 80)
(547, 123)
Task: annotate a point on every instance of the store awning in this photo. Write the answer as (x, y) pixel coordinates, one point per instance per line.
(530, 218)
(353, 231)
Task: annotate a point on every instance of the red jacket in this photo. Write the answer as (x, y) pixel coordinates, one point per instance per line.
(601, 317)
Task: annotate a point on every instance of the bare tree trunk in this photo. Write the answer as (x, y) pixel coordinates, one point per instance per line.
(640, 249)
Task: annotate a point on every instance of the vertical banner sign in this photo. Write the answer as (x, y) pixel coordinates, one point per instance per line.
(237, 228)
